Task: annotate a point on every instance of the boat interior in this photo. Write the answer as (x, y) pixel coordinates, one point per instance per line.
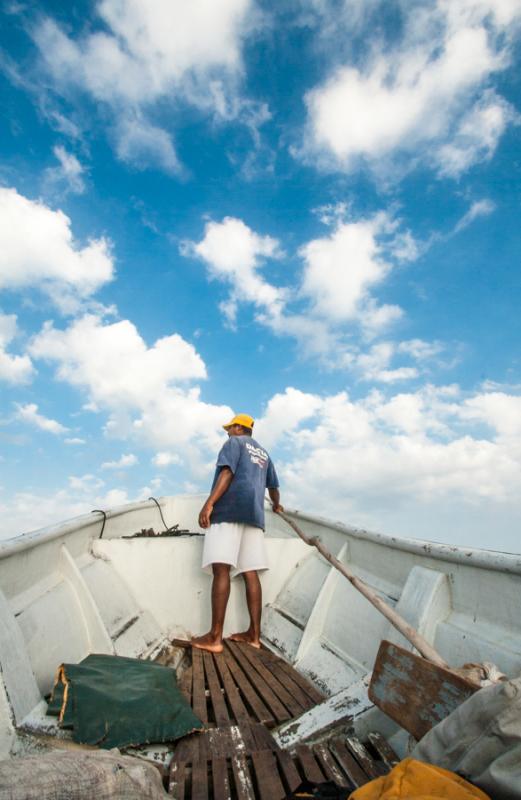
(296, 709)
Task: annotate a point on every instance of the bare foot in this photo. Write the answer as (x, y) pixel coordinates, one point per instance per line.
(207, 642)
(247, 638)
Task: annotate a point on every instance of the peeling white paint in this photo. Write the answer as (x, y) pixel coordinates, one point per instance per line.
(341, 707)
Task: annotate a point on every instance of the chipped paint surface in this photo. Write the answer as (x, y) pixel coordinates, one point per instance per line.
(242, 776)
(414, 692)
(342, 707)
(237, 739)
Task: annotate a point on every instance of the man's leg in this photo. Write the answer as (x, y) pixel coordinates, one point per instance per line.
(213, 640)
(254, 601)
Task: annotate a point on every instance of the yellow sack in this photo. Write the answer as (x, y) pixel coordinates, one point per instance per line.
(414, 780)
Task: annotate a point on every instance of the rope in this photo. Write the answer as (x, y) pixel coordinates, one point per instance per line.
(174, 530)
(99, 511)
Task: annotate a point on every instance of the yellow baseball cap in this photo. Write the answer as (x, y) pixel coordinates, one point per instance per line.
(240, 419)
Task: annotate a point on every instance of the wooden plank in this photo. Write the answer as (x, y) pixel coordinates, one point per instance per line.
(292, 686)
(293, 706)
(263, 738)
(225, 742)
(186, 643)
(220, 780)
(218, 742)
(216, 697)
(233, 696)
(268, 781)
(289, 771)
(348, 763)
(198, 687)
(330, 767)
(259, 709)
(242, 778)
(309, 764)
(200, 781)
(279, 711)
(176, 782)
(245, 740)
(384, 750)
(414, 692)
(185, 684)
(187, 748)
(295, 675)
(203, 742)
(363, 756)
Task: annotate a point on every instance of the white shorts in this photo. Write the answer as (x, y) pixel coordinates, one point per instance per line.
(242, 546)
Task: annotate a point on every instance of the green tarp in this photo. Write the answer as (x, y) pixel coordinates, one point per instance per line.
(111, 701)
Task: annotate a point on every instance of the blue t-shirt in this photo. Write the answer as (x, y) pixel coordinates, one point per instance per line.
(253, 473)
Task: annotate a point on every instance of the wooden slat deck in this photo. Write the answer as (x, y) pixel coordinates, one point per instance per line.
(268, 773)
(239, 695)
(245, 685)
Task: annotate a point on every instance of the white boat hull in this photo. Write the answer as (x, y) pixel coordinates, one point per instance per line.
(64, 592)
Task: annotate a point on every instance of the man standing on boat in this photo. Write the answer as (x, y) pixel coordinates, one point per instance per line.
(233, 517)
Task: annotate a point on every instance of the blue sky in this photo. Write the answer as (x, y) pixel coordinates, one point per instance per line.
(306, 211)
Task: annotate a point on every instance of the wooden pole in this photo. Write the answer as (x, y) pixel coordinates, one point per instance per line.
(415, 638)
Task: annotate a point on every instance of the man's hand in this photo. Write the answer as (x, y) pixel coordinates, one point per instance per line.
(224, 479)
(205, 514)
(275, 500)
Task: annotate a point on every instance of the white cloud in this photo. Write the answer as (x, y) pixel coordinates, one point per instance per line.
(19, 510)
(13, 369)
(85, 483)
(125, 461)
(375, 319)
(29, 413)
(74, 440)
(342, 268)
(69, 173)
(434, 463)
(284, 414)
(498, 410)
(49, 258)
(81, 495)
(374, 365)
(181, 422)
(414, 459)
(233, 253)
(150, 47)
(142, 144)
(145, 390)
(113, 361)
(165, 459)
(477, 135)
(480, 208)
(340, 271)
(426, 97)
(155, 51)
(419, 349)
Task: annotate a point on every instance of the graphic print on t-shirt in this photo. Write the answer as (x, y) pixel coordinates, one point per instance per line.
(253, 473)
(257, 455)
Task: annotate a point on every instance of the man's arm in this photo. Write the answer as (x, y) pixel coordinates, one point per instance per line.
(275, 500)
(224, 479)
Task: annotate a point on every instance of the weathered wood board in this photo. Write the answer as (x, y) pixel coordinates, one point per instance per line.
(414, 692)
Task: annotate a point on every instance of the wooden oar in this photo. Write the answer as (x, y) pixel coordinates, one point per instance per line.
(415, 638)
